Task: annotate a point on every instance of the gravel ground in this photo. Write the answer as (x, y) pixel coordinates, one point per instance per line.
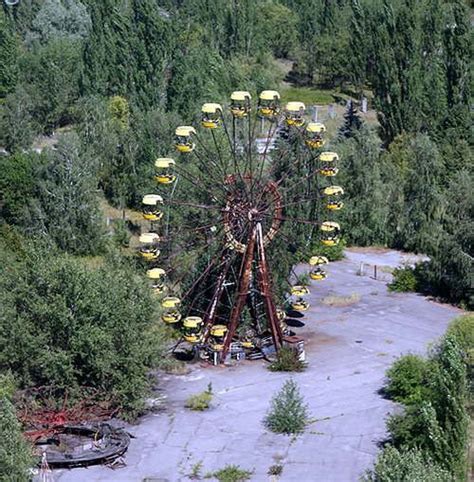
(348, 350)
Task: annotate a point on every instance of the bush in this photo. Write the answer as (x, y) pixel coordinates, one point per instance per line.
(405, 466)
(201, 401)
(288, 413)
(406, 380)
(15, 453)
(287, 361)
(404, 279)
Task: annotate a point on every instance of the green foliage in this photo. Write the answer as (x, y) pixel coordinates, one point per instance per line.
(407, 378)
(405, 466)
(17, 126)
(56, 19)
(15, 454)
(119, 110)
(279, 28)
(50, 74)
(69, 325)
(231, 473)
(404, 279)
(18, 184)
(288, 413)
(462, 330)
(200, 401)
(287, 361)
(365, 212)
(65, 204)
(121, 235)
(435, 421)
(8, 385)
(8, 57)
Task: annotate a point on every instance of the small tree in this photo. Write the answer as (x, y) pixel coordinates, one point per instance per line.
(352, 122)
(15, 454)
(288, 413)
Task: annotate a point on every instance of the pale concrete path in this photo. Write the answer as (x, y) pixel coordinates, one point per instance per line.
(349, 348)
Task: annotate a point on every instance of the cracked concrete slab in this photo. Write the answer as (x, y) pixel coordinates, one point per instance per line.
(348, 349)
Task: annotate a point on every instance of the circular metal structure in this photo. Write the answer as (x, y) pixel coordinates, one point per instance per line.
(242, 176)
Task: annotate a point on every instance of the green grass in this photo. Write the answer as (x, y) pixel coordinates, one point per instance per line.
(230, 473)
(307, 95)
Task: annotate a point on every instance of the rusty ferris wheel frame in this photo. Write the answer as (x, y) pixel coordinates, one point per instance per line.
(246, 195)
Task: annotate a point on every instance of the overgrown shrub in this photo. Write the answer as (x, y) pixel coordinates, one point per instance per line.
(15, 453)
(435, 422)
(200, 401)
(406, 379)
(69, 325)
(404, 279)
(287, 361)
(405, 466)
(288, 413)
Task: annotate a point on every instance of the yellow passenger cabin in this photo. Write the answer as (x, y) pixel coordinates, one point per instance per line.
(164, 170)
(332, 195)
(269, 104)
(294, 114)
(149, 243)
(211, 115)
(150, 207)
(314, 135)
(328, 164)
(240, 103)
(184, 139)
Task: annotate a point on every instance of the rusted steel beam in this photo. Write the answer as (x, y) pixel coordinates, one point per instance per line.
(265, 290)
(242, 292)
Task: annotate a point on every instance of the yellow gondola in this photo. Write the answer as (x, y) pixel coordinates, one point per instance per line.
(183, 138)
(300, 305)
(294, 112)
(218, 333)
(164, 173)
(318, 273)
(171, 317)
(170, 302)
(192, 329)
(299, 290)
(150, 204)
(332, 195)
(240, 103)
(149, 246)
(211, 115)
(156, 275)
(268, 104)
(315, 135)
(330, 233)
(328, 162)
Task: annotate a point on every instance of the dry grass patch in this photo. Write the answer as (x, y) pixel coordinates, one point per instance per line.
(340, 301)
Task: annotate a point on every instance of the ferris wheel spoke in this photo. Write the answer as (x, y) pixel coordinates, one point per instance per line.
(219, 167)
(232, 146)
(200, 186)
(270, 135)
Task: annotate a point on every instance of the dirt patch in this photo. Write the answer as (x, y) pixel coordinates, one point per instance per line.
(341, 301)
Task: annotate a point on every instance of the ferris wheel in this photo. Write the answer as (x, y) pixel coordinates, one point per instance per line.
(247, 182)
